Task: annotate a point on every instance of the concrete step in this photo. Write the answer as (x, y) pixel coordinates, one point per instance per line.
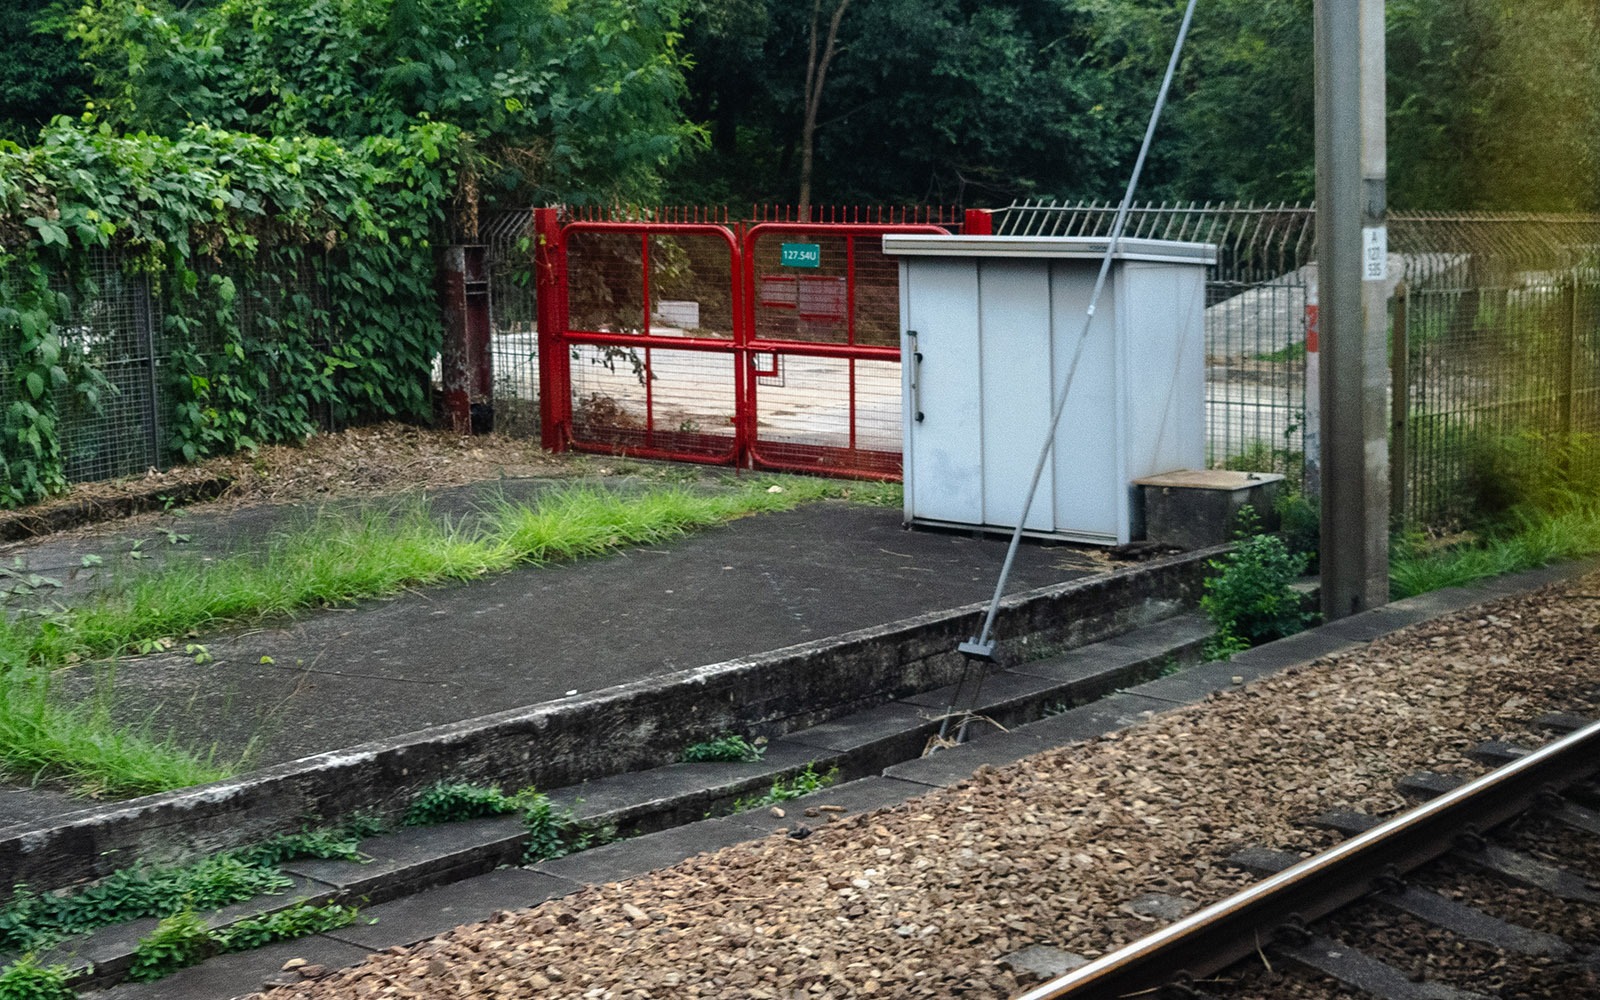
(411, 878)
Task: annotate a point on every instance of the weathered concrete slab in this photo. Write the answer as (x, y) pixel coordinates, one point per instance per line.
(22, 805)
(956, 764)
(239, 974)
(629, 858)
(417, 857)
(874, 738)
(415, 918)
(1177, 638)
(645, 801)
(629, 727)
(1107, 715)
(831, 804)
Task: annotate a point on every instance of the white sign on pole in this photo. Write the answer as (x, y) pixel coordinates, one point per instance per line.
(1374, 253)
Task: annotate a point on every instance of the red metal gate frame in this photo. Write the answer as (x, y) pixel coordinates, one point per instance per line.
(556, 340)
(849, 351)
(555, 394)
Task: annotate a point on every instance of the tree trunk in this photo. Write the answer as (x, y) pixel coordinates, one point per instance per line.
(816, 73)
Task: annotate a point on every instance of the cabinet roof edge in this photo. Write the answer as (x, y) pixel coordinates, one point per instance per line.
(1066, 247)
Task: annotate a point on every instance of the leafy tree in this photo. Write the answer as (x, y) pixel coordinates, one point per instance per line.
(818, 59)
(564, 100)
(1240, 121)
(1493, 103)
(945, 100)
(40, 76)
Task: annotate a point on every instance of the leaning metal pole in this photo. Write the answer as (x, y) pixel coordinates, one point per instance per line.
(982, 646)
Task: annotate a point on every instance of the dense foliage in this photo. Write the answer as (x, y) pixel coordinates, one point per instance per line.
(40, 76)
(562, 100)
(215, 219)
(278, 168)
(1493, 105)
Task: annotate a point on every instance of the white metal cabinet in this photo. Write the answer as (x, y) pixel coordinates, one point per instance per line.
(989, 327)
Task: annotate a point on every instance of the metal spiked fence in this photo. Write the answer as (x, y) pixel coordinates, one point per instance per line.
(1256, 298)
(1495, 344)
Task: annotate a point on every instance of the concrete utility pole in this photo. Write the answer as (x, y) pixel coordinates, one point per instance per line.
(1352, 272)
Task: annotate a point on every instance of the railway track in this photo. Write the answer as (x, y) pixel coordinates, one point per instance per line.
(1284, 918)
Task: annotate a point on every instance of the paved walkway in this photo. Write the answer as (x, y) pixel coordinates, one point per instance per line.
(335, 678)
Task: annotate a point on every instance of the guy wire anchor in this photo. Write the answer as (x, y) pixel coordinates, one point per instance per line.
(978, 652)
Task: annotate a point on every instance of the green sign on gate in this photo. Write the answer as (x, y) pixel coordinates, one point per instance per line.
(801, 255)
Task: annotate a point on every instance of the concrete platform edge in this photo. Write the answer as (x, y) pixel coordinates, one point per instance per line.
(630, 727)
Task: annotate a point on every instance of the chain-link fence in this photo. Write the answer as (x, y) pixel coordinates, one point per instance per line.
(513, 339)
(1496, 362)
(120, 389)
(109, 408)
(1496, 338)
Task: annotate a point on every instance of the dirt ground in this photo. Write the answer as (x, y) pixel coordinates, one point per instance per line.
(382, 458)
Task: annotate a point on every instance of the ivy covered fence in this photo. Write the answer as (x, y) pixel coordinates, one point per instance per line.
(236, 289)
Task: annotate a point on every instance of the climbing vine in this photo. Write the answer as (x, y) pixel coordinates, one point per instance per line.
(294, 276)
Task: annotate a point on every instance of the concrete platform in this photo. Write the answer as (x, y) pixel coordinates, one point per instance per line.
(552, 675)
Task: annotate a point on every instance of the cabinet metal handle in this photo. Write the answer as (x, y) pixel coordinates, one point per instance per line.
(916, 376)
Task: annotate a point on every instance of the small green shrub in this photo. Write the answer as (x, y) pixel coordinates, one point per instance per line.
(341, 843)
(727, 748)
(295, 922)
(26, 979)
(1249, 600)
(552, 832)
(1300, 524)
(1507, 473)
(450, 802)
(33, 921)
(183, 939)
(556, 833)
(178, 942)
(804, 783)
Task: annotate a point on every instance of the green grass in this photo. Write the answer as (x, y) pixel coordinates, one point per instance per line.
(339, 558)
(1527, 539)
(1289, 352)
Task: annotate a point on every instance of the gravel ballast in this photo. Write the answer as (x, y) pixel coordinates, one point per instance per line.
(926, 898)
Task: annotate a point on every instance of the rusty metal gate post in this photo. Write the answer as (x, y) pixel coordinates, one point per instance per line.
(464, 361)
(550, 289)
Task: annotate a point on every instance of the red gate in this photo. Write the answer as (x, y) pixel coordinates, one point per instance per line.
(774, 345)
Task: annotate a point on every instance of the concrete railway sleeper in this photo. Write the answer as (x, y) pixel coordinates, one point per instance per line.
(1285, 915)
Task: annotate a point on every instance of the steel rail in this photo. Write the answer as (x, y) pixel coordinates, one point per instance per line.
(1214, 938)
